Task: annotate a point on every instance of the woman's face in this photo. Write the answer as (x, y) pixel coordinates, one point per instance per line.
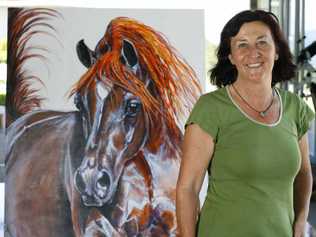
(253, 52)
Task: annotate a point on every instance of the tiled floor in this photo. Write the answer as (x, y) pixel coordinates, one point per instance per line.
(312, 215)
(312, 219)
(2, 137)
(1, 209)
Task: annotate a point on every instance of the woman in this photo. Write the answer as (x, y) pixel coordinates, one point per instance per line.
(252, 136)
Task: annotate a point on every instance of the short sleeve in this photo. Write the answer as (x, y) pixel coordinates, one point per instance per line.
(306, 115)
(205, 115)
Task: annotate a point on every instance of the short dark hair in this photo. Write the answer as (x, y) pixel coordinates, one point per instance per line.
(225, 73)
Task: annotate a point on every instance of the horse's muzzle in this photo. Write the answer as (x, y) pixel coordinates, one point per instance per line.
(94, 186)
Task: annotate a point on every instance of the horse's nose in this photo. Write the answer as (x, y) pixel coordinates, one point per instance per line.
(103, 183)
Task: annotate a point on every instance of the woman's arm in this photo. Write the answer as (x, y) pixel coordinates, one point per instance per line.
(302, 189)
(197, 151)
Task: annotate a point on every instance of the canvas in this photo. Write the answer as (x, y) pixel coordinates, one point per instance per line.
(100, 156)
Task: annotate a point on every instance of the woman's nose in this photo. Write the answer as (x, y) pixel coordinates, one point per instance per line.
(253, 51)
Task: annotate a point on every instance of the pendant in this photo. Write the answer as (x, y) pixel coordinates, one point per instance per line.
(263, 113)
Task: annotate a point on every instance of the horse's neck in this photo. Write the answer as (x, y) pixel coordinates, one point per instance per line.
(164, 164)
(166, 147)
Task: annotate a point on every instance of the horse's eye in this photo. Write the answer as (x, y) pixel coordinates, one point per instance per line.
(132, 107)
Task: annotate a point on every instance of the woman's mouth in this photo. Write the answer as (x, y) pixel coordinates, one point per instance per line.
(254, 65)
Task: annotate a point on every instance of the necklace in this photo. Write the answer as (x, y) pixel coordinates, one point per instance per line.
(262, 113)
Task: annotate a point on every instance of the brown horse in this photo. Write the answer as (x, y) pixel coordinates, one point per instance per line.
(110, 168)
(36, 203)
(141, 88)
(42, 147)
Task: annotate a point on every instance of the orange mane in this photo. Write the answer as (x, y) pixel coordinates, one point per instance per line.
(174, 80)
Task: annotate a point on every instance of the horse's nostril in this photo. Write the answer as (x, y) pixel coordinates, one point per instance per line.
(80, 182)
(104, 180)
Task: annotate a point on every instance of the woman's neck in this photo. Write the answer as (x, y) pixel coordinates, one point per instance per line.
(257, 93)
(259, 89)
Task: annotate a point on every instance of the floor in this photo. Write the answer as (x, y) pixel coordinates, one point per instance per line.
(1, 209)
(312, 215)
(1, 182)
(2, 137)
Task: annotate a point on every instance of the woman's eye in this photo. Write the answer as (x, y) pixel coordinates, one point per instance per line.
(262, 43)
(242, 45)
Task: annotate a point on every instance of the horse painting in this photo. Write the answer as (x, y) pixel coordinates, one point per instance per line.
(110, 167)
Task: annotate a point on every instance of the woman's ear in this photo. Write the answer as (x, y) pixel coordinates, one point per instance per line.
(231, 59)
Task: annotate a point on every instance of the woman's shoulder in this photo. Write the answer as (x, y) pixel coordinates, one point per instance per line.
(213, 100)
(289, 97)
(214, 95)
(295, 105)
(287, 94)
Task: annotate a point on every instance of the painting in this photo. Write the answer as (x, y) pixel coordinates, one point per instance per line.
(100, 155)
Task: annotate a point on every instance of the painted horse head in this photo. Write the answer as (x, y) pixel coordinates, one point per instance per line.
(134, 92)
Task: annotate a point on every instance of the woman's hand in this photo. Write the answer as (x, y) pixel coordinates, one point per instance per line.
(299, 228)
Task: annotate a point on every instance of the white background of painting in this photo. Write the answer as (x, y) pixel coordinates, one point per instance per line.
(63, 68)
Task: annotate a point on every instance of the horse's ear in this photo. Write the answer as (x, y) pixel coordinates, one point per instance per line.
(128, 54)
(85, 55)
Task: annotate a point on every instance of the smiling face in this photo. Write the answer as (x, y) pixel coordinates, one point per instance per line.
(253, 52)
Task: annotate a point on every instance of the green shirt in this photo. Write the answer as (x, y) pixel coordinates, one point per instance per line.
(253, 168)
